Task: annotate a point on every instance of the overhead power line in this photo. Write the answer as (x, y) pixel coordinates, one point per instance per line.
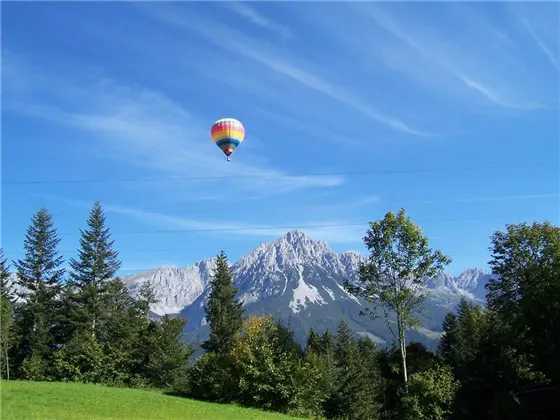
(203, 178)
(247, 229)
(140, 270)
(373, 203)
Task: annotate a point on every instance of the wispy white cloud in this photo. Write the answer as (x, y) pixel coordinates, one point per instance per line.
(314, 82)
(427, 55)
(544, 48)
(145, 128)
(258, 19)
(332, 230)
(230, 40)
(488, 92)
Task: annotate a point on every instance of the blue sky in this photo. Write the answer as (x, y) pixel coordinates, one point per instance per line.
(129, 91)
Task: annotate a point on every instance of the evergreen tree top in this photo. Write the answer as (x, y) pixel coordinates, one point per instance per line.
(41, 261)
(97, 261)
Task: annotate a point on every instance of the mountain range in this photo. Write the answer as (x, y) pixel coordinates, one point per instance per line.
(300, 280)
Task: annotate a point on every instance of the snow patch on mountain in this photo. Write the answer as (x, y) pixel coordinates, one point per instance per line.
(308, 271)
(330, 292)
(304, 293)
(351, 296)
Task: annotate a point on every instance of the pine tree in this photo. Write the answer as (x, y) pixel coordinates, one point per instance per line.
(121, 340)
(167, 354)
(328, 353)
(5, 288)
(446, 345)
(224, 313)
(327, 341)
(38, 273)
(314, 343)
(39, 278)
(351, 397)
(97, 264)
(369, 363)
(6, 339)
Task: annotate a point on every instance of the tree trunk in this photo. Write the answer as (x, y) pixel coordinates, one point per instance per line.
(7, 365)
(93, 329)
(402, 344)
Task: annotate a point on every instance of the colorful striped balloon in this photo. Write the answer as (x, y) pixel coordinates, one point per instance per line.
(227, 134)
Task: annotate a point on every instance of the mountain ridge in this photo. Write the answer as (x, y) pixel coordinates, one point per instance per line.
(283, 254)
(297, 278)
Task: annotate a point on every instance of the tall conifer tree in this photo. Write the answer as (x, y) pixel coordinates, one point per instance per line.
(314, 343)
(96, 265)
(39, 278)
(351, 396)
(224, 313)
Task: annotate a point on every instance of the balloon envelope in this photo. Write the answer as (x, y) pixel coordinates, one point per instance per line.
(227, 134)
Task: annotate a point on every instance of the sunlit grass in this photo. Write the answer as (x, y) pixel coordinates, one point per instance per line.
(22, 400)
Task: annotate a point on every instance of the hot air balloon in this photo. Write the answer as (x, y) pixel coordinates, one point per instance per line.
(227, 134)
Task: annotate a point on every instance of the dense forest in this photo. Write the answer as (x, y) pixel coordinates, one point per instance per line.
(80, 324)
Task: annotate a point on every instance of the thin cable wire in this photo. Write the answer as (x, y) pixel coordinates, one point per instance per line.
(140, 270)
(373, 203)
(202, 178)
(247, 229)
(272, 1)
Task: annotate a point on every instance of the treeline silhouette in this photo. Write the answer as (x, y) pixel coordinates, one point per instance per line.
(82, 325)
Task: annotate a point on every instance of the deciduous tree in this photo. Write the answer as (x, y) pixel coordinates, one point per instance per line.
(394, 277)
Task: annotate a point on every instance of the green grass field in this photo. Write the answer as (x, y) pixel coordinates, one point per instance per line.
(64, 401)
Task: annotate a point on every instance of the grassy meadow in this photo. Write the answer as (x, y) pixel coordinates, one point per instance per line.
(22, 400)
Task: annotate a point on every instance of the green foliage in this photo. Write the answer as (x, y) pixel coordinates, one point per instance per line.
(431, 394)
(314, 343)
(352, 397)
(82, 360)
(312, 387)
(33, 368)
(212, 378)
(447, 343)
(96, 265)
(399, 264)
(126, 330)
(38, 273)
(5, 288)
(368, 359)
(166, 355)
(525, 295)
(91, 330)
(6, 336)
(264, 365)
(40, 279)
(224, 313)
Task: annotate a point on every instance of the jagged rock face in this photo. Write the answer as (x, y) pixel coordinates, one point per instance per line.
(297, 267)
(299, 279)
(294, 266)
(174, 287)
